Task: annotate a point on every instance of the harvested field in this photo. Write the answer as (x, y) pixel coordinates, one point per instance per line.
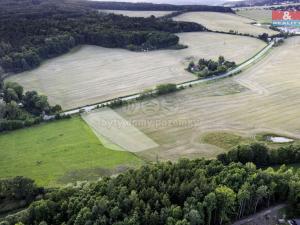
(108, 124)
(138, 13)
(224, 22)
(259, 15)
(263, 99)
(92, 74)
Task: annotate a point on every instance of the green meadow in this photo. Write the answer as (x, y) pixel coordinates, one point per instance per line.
(60, 152)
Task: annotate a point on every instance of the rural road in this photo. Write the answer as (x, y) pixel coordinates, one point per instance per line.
(184, 84)
(259, 215)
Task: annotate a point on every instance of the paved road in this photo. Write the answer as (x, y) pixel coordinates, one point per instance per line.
(258, 216)
(184, 84)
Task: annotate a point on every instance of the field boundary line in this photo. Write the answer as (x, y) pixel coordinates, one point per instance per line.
(118, 130)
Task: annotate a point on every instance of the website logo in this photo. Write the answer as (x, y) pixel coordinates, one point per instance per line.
(285, 18)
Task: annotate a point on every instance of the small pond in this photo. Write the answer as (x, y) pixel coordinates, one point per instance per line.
(279, 139)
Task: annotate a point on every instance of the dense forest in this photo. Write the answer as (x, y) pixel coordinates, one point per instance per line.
(38, 30)
(197, 192)
(157, 7)
(19, 109)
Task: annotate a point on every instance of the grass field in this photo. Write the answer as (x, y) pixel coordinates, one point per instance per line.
(138, 13)
(59, 152)
(92, 74)
(262, 99)
(224, 22)
(259, 15)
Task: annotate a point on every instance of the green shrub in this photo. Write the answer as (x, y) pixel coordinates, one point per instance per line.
(166, 88)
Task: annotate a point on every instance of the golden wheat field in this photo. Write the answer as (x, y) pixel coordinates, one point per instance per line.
(263, 99)
(92, 74)
(224, 22)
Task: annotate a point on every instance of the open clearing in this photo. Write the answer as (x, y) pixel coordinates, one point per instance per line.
(259, 15)
(263, 99)
(138, 13)
(59, 152)
(92, 74)
(224, 22)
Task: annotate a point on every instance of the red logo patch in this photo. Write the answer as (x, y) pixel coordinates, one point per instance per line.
(285, 15)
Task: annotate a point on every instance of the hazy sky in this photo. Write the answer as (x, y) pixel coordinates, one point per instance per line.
(206, 2)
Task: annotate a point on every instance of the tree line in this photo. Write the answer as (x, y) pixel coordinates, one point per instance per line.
(20, 109)
(261, 155)
(157, 7)
(189, 192)
(39, 32)
(17, 190)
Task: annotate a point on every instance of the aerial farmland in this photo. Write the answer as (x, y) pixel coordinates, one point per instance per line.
(258, 101)
(263, 16)
(142, 113)
(225, 22)
(94, 80)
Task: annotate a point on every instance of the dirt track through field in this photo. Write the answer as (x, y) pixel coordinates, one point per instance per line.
(93, 74)
(268, 102)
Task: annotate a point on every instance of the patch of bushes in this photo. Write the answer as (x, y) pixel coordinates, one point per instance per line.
(8, 125)
(19, 109)
(18, 189)
(116, 103)
(163, 89)
(264, 37)
(208, 68)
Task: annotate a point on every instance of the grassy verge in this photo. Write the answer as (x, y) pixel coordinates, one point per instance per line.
(57, 153)
(227, 140)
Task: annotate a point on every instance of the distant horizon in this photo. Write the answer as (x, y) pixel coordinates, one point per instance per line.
(175, 2)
